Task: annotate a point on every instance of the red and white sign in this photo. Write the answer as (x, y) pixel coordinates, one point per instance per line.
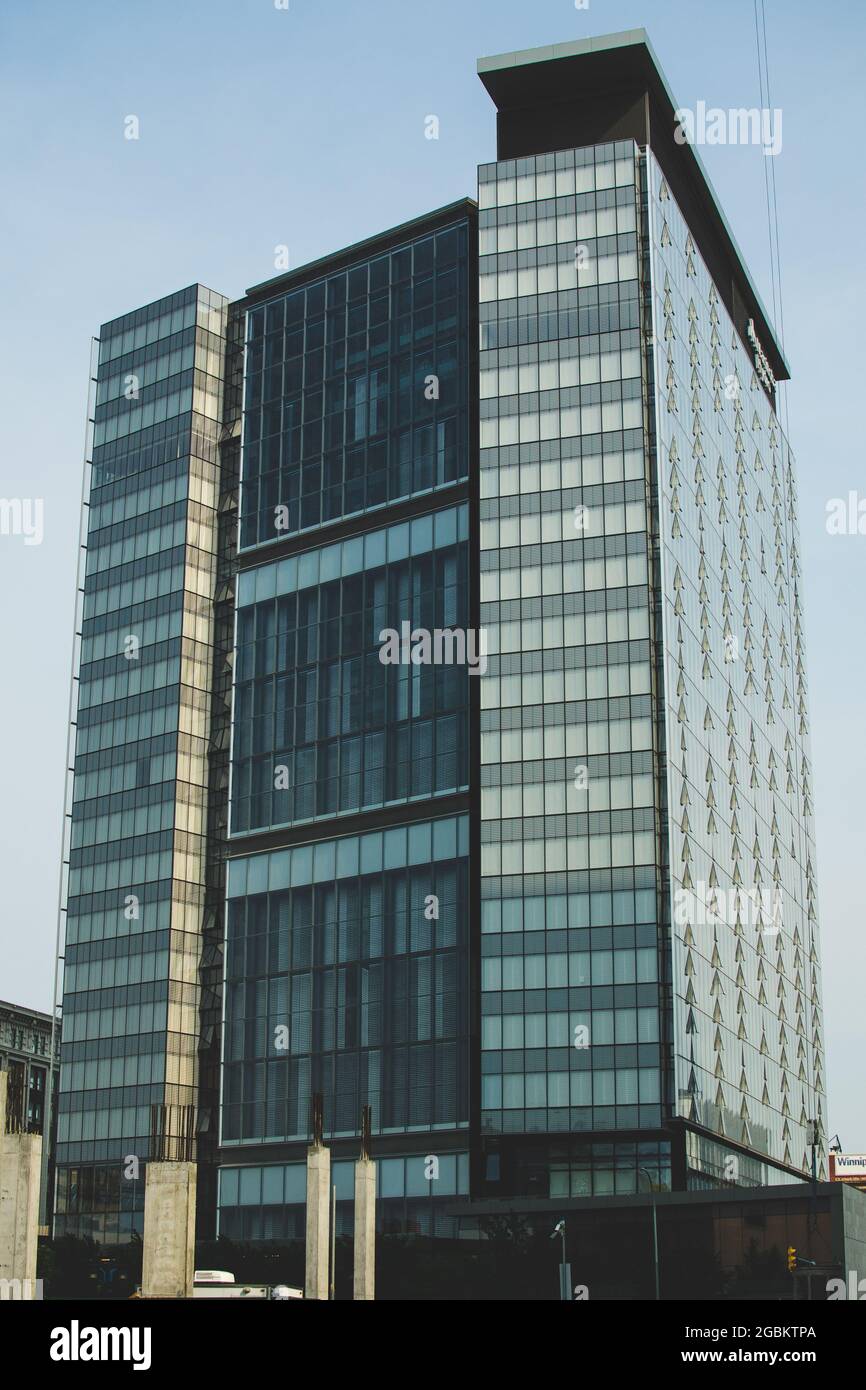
(848, 1166)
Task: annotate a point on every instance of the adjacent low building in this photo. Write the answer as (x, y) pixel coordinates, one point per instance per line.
(25, 1054)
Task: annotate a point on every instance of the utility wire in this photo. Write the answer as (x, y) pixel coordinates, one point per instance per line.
(764, 106)
(772, 198)
(771, 161)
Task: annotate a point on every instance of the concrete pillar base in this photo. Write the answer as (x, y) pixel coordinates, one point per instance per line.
(318, 1222)
(365, 1229)
(168, 1263)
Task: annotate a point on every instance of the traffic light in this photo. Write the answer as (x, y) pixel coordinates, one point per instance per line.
(792, 1258)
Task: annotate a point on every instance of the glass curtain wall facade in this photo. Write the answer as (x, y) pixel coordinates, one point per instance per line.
(321, 726)
(746, 973)
(650, 974)
(341, 982)
(139, 802)
(572, 1023)
(340, 415)
(348, 918)
(266, 1202)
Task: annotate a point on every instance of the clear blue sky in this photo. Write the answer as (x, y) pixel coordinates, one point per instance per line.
(261, 127)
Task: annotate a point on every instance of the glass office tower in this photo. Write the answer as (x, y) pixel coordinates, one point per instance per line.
(138, 846)
(552, 917)
(571, 807)
(651, 981)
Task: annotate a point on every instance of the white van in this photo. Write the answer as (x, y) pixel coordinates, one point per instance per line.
(218, 1283)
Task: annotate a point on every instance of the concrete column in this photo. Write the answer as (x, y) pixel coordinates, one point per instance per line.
(20, 1173)
(365, 1229)
(168, 1261)
(318, 1221)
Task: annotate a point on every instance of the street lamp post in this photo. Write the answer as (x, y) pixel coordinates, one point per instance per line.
(564, 1270)
(655, 1232)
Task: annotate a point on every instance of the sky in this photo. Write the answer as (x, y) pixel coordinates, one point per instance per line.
(261, 127)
